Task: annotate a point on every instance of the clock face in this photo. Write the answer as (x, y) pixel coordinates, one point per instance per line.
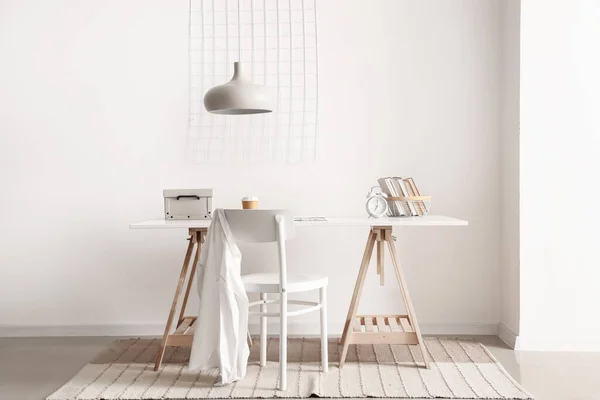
(377, 206)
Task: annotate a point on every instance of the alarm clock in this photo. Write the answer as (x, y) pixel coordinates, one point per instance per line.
(376, 205)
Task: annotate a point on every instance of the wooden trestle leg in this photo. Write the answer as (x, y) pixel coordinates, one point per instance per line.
(384, 329)
(185, 325)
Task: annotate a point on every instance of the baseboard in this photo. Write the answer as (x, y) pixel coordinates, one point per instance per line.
(508, 336)
(296, 328)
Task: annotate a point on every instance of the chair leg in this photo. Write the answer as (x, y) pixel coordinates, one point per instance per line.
(283, 342)
(324, 354)
(263, 332)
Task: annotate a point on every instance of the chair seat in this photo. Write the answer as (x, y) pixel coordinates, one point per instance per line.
(269, 283)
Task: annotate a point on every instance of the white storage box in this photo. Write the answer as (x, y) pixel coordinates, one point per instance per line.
(188, 203)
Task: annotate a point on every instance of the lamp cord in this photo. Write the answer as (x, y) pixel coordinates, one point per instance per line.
(239, 34)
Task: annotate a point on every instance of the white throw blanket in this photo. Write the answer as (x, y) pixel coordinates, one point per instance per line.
(220, 338)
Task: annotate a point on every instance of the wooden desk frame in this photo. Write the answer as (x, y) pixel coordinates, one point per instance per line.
(358, 329)
(391, 329)
(184, 331)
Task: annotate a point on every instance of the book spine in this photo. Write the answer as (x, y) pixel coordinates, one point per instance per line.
(409, 204)
(401, 204)
(420, 205)
(398, 193)
(383, 184)
(399, 211)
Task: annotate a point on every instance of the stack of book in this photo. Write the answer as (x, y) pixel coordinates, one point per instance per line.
(402, 187)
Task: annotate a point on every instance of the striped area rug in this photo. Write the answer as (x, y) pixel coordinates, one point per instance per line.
(461, 369)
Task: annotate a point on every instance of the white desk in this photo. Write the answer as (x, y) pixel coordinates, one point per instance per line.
(428, 220)
(359, 329)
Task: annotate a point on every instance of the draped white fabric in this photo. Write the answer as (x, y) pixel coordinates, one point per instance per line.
(220, 338)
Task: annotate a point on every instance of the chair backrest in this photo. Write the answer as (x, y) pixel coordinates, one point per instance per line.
(259, 226)
(263, 226)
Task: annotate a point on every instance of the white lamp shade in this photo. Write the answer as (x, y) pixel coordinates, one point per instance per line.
(240, 96)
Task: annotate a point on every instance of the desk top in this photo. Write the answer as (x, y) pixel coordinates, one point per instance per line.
(427, 220)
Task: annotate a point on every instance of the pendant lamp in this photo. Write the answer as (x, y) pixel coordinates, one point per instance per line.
(240, 96)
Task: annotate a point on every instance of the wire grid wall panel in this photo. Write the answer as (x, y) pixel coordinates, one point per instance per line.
(276, 43)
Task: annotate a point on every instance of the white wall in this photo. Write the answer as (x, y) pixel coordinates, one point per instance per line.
(93, 125)
(509, 170)
(560, 160)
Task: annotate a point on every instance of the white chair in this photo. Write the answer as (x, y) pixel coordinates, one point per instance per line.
(263, 226)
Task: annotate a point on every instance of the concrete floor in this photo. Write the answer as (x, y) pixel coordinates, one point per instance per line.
(32, 368)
